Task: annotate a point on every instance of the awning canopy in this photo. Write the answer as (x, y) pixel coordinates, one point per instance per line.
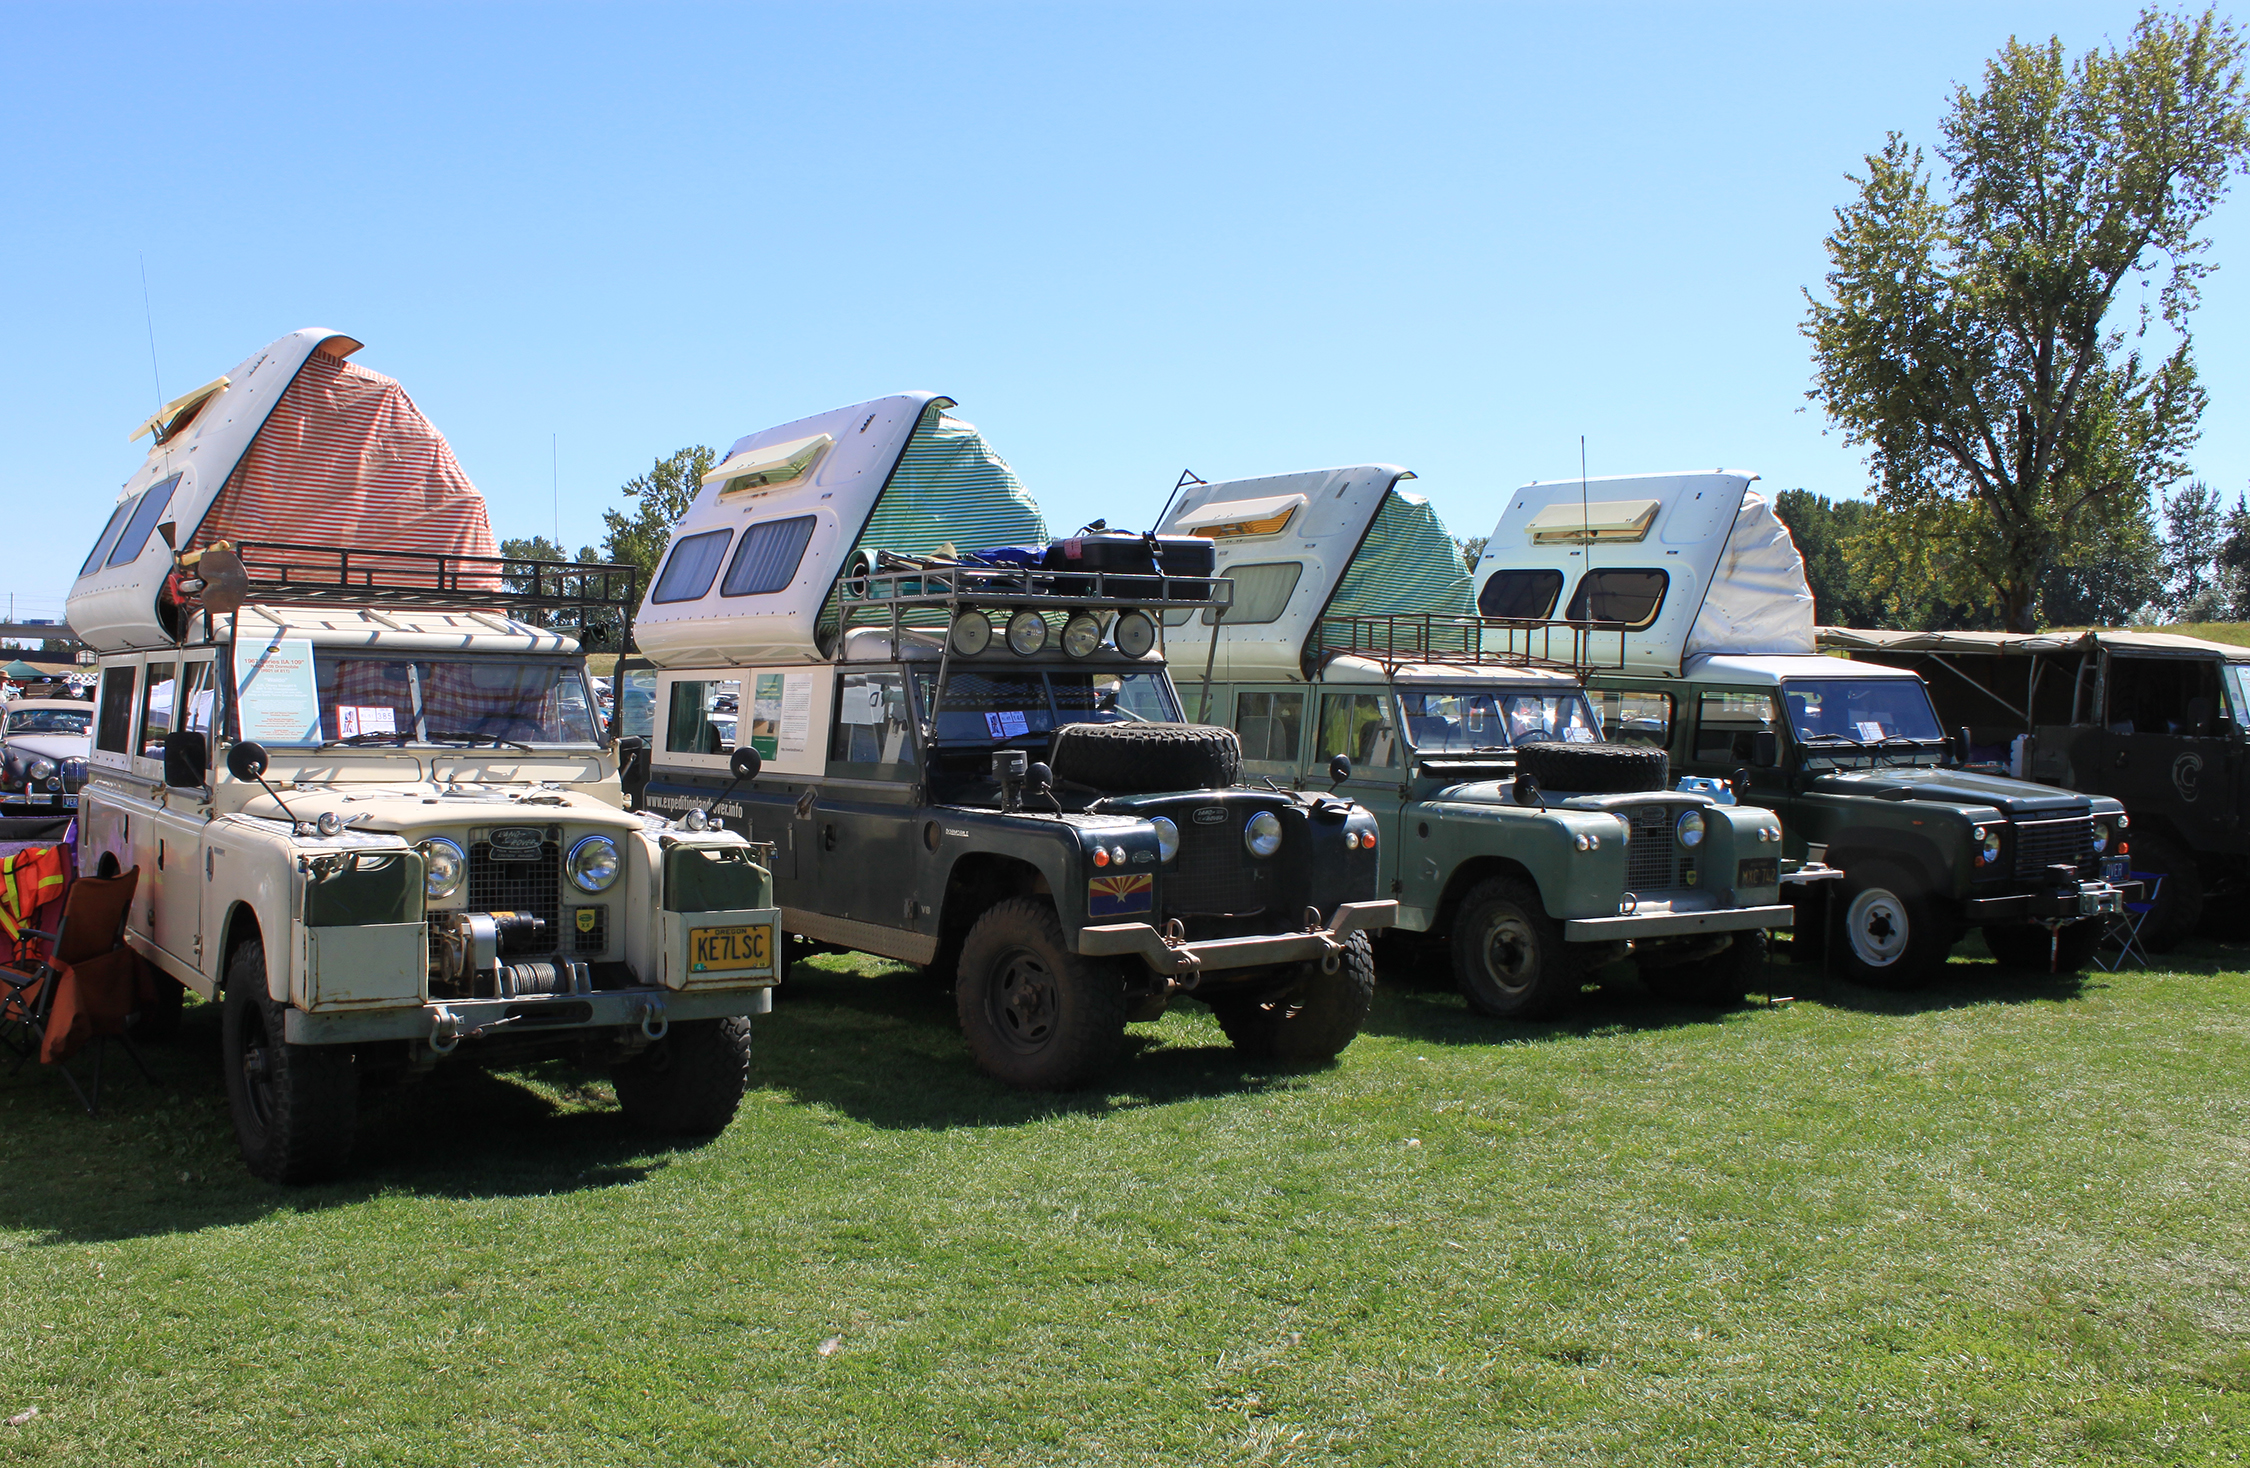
(2026, 644)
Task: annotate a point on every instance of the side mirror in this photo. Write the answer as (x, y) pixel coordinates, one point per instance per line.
(1765, 749)
(247, 761)
(1961, 744)
(187, 754)
(746, 763)
(1038, 777)
(1339, 770)
(1528, 792)
(632, 764)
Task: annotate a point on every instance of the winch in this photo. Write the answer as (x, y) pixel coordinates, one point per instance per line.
(469, 947)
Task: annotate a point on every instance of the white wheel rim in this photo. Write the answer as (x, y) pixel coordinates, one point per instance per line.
(1876, 927)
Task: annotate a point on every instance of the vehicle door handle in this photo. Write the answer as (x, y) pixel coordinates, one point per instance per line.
(827, 838)
(160, 853)
(2121, 759)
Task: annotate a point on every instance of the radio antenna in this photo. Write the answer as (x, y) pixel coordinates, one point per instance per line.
(554, 484)
(150, 316)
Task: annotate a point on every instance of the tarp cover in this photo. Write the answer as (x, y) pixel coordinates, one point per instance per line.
(1758, 601)
(1407, 563)
(2028, 644)
(950, 488)
(345, 458)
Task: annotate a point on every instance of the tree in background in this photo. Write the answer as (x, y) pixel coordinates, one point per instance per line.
(2194, 528)
(660, 497)
(1472, 551)
(1821, 527)
(1968, 341)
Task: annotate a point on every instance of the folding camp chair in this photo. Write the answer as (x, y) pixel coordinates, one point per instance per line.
(2124, 930)
(84, 989)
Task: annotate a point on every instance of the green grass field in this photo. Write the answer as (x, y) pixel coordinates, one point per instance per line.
(2003, 1221)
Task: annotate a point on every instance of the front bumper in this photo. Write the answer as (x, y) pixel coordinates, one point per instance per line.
(1674, 924)
(2057, 904)
(1176, 958)
(444, 1023)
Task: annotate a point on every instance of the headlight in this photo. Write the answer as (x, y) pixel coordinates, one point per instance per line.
(593, 863)
(1082, 634)
(1134, 634)
(1690, 828)
(1027, 633)
(1263, 834)
(2101, 837)
(972, 632)
(1167, 837)
(1988, 844)
(444, 866)
(42, 768)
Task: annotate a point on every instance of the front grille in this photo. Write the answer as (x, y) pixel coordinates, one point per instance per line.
(589, 939)
(73, 775)
(519, 886)
(2042, 844)
(1650, 859)
(1214, 873)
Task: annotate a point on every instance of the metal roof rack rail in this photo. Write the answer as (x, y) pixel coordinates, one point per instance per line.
(595, 596)
(1403, 638)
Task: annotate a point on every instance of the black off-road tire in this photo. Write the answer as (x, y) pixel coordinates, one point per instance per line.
(1508, 956)
(2179, 902)
(295, 1106)
(2026, 946)
(1315, 1019)
(689, 1083)
(1133, 759)
(1594, 769)
(1036, 1014)
(1721, 981)
(1888, 932)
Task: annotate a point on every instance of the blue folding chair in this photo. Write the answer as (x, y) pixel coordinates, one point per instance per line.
(2124, 928)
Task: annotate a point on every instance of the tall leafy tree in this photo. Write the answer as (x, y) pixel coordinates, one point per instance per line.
(1973, 340)
(2194, 526)
(660, 497)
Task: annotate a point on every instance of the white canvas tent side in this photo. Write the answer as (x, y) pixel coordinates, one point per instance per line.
(1302, 546)
(752, 565)
(1692, 564)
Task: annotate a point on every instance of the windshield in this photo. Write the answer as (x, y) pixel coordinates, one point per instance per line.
(50, 721)
(989, 708)
(442, 700)
(1859, 710)
(1459, 721)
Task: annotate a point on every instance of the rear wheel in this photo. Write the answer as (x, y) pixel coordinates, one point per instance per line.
(295, 1106)
(1035, 1013)
(690, 1082)
(2028, 946)
(1888, 932)
(1509, 956)
(1315, 1019)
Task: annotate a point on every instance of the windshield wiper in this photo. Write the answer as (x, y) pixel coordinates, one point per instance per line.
(470, 740)
(359, 741)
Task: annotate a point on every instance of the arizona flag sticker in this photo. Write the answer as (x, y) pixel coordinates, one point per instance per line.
(1116, 896)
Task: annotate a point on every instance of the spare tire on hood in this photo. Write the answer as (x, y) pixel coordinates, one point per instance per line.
(1594, 769)
(1146, 759)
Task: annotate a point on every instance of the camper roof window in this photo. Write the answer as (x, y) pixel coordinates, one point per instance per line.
(1527, 594)
(1261, 594)
(766, 561)
(145, 516)
(695, 561)
(109, 538)
(1630, 597)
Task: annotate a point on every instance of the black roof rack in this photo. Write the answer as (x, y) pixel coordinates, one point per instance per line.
(592, 596)
(1470, 642)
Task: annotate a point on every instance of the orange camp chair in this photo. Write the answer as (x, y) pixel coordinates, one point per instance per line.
(82, 992)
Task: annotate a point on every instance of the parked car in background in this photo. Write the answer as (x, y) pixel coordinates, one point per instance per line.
(43, 747)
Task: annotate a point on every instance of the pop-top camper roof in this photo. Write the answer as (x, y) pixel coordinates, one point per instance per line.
(752, 564)
(1326, 543)
(1688, 564)
(295, 445)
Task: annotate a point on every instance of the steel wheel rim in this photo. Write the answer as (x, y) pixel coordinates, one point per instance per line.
(1024, 1000)
(1876, 927)
(1510, 955)
(257, 1069)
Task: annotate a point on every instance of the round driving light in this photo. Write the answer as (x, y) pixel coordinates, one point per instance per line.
(1134, 634)
(2124, 819)
(594, 863)
(1167, 837)
(41, 769)
(1027, 633)
(329, 823)
(1263, 834)
(1351, 841)
(971, 634)
(696, 820)
(444, 865)
(1690, 828)
(1082, 634)
(1989, 849)
(2101, 838)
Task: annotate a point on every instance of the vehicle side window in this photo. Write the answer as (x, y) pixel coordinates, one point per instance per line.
(198, 698)
(113, 727)
(146, 512)
(766, 561)
(872, 723)
(1359, 725)
(1261, 594)
(1631, 716)
(692, 568)
(1631, 597)
(1268, 724)
(2178, 696)
(703, 716)
(108, 538)
(1525, 594)
(158, 695)
(1727, 723)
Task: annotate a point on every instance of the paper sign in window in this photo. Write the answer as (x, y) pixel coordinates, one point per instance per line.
(1006, 722)
(353, 720)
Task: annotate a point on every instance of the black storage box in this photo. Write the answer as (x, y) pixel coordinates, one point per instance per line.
(1124, 559)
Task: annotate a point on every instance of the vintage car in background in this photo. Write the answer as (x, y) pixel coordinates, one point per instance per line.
(43, 747)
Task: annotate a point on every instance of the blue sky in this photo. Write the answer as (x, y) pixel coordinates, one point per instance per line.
(1129, 239)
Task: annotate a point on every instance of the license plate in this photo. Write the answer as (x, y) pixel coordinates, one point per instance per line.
(70, 802)
(2115, 868)
(717, 950)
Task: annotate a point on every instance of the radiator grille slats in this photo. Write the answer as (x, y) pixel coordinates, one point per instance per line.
(1213, 873)
(2042, 844)
(519, 886)
(1650, 859)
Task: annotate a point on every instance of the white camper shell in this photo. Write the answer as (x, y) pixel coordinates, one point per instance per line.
(1685, 565)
